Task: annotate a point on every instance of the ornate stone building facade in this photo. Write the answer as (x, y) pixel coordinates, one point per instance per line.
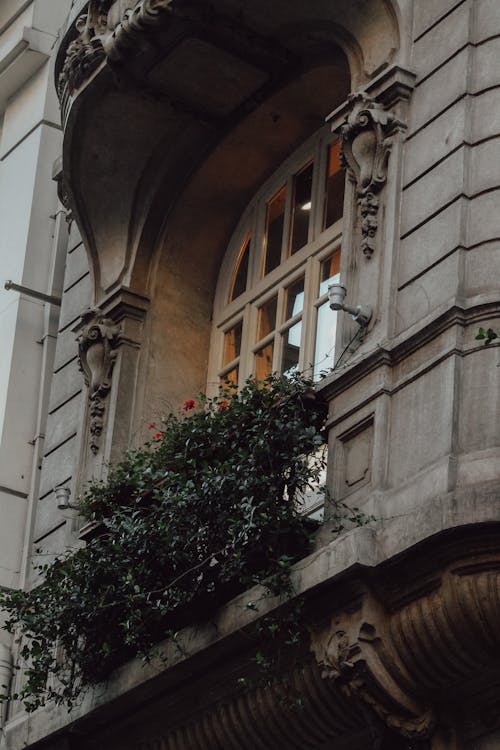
(194, 146)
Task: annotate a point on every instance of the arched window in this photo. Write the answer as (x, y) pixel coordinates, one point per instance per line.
(271, 311)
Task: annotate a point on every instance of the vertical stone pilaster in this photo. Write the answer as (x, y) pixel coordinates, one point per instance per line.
(109, 339)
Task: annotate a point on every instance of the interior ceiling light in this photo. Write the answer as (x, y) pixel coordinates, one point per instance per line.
(306, 206)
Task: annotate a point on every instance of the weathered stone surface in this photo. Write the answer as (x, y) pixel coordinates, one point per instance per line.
(431, 12)
(433, 191)
(442, 89)
(432, 144)
(432, 241)
(442, 41)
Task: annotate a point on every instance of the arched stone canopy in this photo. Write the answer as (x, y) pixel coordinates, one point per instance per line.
(195, 105)
(168, 92)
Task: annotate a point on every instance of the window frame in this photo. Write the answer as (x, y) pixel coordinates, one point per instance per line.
(261, 288)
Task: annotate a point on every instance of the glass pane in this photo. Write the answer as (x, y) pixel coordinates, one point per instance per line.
(325, 340)
(330, 272)
(295, 299)
(291, 349)
(334, 189)
(267, 318)
(232, 343)
(264, 361)
(302, 191)
(240, 278)
(274, 230)
(231, 377)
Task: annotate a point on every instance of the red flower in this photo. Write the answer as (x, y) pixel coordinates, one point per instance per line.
(223, 404)
(151, 426)
(158, 435)
(188, 405)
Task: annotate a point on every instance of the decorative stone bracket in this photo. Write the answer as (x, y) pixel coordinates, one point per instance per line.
(366, 142)
(97, 344)
(351, 652)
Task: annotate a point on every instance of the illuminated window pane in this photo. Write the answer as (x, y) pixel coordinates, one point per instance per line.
(232, 343)
(240, 279)
(295, 299)
(302, 192)
(274, 230)
(264, 361)
(267, 318)
(334, 189)
(329, 274)
(231, 377)
(291, 349)
(326, 326)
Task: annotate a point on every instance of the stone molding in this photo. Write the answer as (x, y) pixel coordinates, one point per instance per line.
(97, 341)
(366, 143)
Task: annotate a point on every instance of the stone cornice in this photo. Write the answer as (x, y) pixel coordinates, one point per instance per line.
(391, 353)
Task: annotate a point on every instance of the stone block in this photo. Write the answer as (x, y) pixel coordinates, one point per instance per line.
(66, 348)
(66, 383)
(53, 544)
(62, 423)
(432, 191)
(439, 91)
(484, 167)
(487, 19)
(484, 218)
(442, 41)
(479, 400)
(434, 142)
(431, 241)
(478, 276)
(428, 293)
(428, 12)
(421, 423)
(75, 238)
(77, 265)
(75, 301)
(59, 465)
(476, 467)
(486, 65)
(13, 515)
(486, 115)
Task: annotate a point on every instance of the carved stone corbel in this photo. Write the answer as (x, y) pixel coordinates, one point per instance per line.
(352, 653)
(97, 344)
(366, 141)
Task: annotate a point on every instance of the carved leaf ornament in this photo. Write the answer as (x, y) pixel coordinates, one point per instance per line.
(366, 146)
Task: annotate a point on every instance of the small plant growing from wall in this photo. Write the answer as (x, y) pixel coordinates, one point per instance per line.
(208, 507)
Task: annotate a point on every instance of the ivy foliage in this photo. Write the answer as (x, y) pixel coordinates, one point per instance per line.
(209, 506)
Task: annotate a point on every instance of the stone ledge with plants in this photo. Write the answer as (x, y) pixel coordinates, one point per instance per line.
(207, 508)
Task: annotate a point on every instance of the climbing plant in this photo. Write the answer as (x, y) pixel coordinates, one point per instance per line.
(209, 506)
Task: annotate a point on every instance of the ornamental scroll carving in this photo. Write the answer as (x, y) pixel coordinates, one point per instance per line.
(97, 352)
(351, 653)
(366, 140)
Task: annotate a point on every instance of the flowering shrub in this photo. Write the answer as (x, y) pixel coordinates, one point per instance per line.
(206, 508)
